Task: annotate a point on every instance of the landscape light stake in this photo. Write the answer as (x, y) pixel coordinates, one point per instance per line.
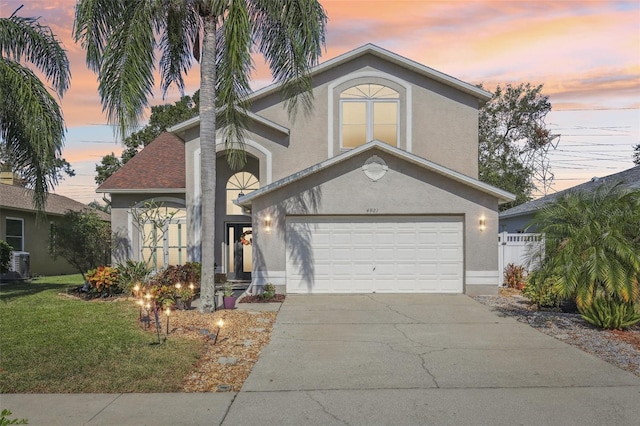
(157, 318)
(147, 324)
(220, 324)
(168, 312)
(140, 303)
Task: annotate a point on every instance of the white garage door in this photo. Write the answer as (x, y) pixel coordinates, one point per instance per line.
(374, 254)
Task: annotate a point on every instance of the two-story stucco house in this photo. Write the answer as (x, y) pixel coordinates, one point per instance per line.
(376, 191)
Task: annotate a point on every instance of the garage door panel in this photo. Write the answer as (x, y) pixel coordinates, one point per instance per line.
(378, 254)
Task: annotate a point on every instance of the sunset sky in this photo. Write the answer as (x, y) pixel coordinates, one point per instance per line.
(586, 53)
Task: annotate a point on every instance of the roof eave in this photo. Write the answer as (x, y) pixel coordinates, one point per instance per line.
(502, 196)
(142, 190)
(195, 121)
(441, 77)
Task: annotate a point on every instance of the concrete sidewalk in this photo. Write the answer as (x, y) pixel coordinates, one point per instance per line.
(383, 359)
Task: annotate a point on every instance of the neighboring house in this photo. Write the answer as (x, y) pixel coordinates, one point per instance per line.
(517, 219)
(24, 232)
(376, 190)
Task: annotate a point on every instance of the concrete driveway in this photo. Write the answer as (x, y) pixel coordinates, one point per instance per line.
(424, 359)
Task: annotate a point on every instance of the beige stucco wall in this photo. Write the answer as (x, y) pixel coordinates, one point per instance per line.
(406, 189)
(443, 122)
(437, 122)
(36, 237)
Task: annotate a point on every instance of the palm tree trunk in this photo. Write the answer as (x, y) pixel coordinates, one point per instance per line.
(208, 165)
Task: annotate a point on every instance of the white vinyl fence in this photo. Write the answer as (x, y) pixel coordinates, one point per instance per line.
(514, 248)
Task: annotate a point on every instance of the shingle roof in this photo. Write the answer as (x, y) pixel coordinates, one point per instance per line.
(19, 198)
(630, 178)
(160, 165)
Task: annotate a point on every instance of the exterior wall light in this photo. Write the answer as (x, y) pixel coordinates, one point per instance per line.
(483, 223)
(267, 224)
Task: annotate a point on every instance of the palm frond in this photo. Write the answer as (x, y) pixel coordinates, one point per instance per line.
(233, 69)
(31, 127)
(126, 69)
(183, 25)
(95, 21)
(290, 35)
(25, 39)
(591, 243)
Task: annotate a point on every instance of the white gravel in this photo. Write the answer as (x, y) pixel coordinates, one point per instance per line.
(572, 329)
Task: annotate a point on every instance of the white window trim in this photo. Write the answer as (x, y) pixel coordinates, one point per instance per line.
(368, 74)
(370, 124)
(227, 189)
(22, 225)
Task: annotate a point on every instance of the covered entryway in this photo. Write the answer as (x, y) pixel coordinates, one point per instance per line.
(374, 254)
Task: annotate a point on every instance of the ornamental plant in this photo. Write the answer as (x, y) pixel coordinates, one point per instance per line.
(592, 245)
(5, 256)
(610, 314)
(515, 276)
(103, 279)
(539, 289)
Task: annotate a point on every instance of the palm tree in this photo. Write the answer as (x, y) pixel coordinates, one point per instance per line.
(31, 123)
(592, 245)
(121, 37)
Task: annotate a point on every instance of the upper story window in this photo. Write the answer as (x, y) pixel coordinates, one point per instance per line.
(14, 235)
(368, 112)
(239, 183)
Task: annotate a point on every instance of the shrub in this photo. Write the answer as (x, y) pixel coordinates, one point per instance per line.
(164, 295)
(82, 239)
(515, 276)
(591, 244)
(268, 291)
(539, 289)
(610, 314)
(5, 256)
(132, 273)
(103, 279)
(189, 273)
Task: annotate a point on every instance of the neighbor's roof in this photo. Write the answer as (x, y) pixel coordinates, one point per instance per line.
(19, 198)
(629, 178)
(501, 195)
(159, 167)
(367, 49)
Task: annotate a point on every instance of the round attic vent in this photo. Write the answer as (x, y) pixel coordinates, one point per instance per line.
(375, 168)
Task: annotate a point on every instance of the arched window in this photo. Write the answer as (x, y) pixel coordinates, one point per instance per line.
(368, 112)
(240, 183)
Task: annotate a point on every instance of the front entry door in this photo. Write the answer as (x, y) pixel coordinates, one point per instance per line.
(240, 251)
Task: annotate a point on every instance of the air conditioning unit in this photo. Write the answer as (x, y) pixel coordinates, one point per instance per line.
(20, 263)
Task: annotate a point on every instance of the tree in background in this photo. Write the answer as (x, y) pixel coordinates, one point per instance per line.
(82, 239)
(514, 140)
(31, 123)
(636, 155)
(102, 207)
(121, 38)
(162, 118)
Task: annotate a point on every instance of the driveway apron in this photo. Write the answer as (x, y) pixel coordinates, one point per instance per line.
(424, 359)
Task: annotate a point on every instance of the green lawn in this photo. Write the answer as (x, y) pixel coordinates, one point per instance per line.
(50, 343)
